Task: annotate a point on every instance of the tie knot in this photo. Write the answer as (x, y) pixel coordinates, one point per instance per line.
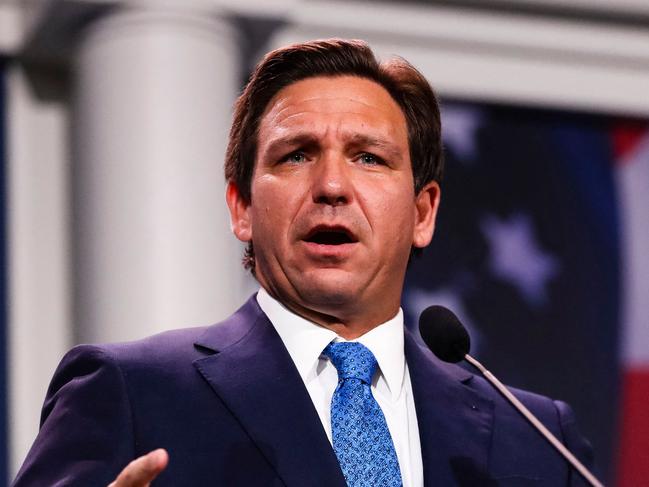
(352, 360)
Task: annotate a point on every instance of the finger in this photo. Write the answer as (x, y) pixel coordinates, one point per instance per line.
(141, 471)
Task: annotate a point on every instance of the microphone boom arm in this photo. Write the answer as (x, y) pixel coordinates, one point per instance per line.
(535, 422)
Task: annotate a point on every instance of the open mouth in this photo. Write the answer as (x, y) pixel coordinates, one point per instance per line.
(330, 236)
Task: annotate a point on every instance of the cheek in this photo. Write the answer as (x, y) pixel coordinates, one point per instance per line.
(390, 207)
(273, 205)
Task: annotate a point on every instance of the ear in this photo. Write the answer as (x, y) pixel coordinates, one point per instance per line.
(240, 220)
(426, 205)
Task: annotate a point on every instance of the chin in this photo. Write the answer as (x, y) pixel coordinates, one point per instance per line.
(325, 292)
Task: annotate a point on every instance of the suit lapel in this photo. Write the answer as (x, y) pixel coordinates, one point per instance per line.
(254, 375)
(455, 423)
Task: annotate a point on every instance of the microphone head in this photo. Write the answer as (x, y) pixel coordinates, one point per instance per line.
(444, 334)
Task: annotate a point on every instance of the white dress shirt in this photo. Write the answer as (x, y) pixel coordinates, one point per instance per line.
(391, 385)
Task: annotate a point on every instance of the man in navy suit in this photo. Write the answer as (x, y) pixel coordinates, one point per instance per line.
(333, 170)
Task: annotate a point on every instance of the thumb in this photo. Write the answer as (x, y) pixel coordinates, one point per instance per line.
(141, 471)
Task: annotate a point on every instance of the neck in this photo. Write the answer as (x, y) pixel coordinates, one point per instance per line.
(346, 323)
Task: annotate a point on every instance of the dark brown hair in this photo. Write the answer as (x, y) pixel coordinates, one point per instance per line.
(334, 57)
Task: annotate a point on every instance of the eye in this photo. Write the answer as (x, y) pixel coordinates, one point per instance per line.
(294, 157)
(370, 159)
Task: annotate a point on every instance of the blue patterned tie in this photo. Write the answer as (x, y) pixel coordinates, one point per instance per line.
(361, 438)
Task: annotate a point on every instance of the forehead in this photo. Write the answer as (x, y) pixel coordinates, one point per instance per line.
(348, 102)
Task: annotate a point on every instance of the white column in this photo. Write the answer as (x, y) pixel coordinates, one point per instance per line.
(153, 98)
(38, 249)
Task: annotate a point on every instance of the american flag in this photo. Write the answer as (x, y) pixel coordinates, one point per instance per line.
(542, 249)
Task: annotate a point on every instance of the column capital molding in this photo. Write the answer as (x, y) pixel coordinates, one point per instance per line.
(51, 32)
(531, 52)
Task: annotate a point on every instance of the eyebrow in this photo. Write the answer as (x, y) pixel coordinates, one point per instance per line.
(364, 140)
(296, 140)
(307, 139)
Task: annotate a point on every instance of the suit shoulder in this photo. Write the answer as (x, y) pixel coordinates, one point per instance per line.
(530, 399)
(556, 415)
(166, 349)
(165, 344)
(149, 349)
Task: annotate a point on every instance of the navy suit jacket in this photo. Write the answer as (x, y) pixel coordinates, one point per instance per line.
(228, 404)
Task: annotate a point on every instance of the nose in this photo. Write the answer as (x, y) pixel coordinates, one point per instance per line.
(331, 183)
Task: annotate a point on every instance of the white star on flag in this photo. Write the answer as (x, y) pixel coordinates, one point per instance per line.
(516, 257)
(460, 125)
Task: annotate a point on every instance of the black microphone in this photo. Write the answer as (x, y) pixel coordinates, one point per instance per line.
(443, 333)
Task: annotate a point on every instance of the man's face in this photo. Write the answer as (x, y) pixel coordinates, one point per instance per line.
(333, 214)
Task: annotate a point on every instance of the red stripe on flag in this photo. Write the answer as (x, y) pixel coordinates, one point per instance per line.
(626, 135)
(633, 461)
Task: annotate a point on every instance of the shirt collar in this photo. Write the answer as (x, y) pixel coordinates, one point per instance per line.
(305, 341)
(386, 343)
